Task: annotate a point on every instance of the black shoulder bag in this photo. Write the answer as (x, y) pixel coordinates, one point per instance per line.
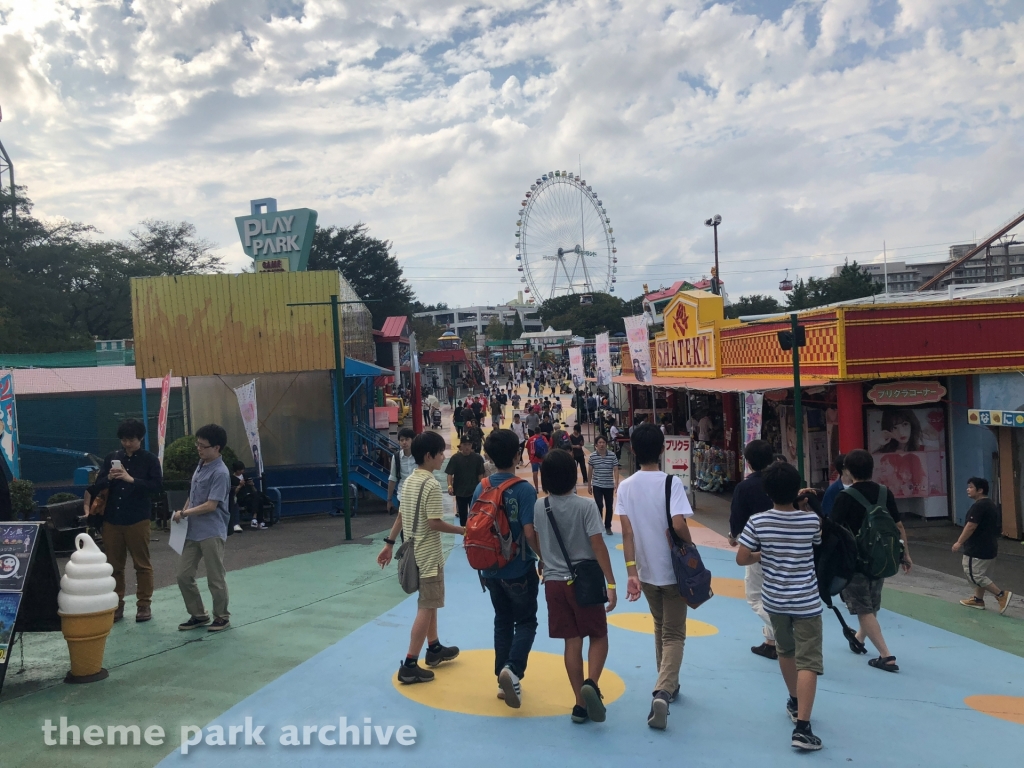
(587, 577)
(692, 578)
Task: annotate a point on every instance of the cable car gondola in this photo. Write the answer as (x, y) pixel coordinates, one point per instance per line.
(786, 284)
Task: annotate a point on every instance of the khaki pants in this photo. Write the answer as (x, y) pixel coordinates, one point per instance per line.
(753, 581)
(118, 541)
(210, 551)
(669, 611)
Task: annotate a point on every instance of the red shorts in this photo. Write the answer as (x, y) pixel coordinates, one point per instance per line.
(566, 619)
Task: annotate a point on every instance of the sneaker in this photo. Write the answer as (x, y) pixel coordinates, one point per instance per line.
(766, 651)
(501, 692)
(674, 695)
(119, 612)
(509, 682)
(975, 602)
(592, 695)
(407, 675)
(444, 653)
(263, 526)
(194, 623)
(219, 625)
(658, 718)
(607, 531)
(143, 614)
(805, 740)
(791, 709)
(237, 528)
(255, 523)
(579, 714)
(1004, 601)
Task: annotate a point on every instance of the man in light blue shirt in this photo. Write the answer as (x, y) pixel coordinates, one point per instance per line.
(207, 513)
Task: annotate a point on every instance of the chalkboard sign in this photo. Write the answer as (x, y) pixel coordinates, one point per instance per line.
(29, 583)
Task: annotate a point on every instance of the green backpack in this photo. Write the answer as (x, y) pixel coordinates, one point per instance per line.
(879, 549)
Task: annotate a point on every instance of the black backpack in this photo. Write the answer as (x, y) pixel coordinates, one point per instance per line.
(835, 560)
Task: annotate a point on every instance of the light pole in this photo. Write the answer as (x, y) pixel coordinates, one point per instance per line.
(713, 222)
(7, 165)
(793, 339)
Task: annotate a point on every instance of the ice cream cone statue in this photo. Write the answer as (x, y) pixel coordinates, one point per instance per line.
(86, 604)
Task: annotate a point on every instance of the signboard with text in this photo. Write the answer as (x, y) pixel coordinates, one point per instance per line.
(688, 345)
(678, 459)
(278, 241)
(906, 393)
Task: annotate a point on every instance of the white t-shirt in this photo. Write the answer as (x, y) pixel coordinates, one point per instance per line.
(705, 426)
(641, 498)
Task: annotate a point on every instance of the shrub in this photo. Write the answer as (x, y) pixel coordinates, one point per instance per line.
(21, 498)
(181, 459)
(57, 498)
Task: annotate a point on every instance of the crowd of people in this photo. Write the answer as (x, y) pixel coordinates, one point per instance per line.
(776, 526)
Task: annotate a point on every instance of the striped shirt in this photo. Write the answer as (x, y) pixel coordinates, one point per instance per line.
(427, 542)
(786, 542)
(603, 468)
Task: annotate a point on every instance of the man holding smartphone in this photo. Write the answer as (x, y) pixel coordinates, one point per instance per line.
(129, 476)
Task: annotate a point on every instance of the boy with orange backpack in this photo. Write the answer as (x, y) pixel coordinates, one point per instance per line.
(500, 542)
(537, 448)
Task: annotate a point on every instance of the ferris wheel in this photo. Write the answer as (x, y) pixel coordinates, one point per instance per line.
(565, 243)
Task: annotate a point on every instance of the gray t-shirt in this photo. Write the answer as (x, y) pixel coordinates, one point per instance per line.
(211, 481)
(578, 520)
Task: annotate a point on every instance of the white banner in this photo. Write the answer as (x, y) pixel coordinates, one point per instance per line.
(604, 360)
(678, 457)
(579, 378)
(639, 349)
(752, 406)
(161, 422)
(246, 395)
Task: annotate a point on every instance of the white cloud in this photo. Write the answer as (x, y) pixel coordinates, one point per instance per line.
(824, 130)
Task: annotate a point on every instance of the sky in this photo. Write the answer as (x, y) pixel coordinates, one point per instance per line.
(817, 129)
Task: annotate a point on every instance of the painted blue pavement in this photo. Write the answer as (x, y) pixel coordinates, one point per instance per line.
(731, 711)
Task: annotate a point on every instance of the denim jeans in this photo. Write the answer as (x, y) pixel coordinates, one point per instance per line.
(515, 620)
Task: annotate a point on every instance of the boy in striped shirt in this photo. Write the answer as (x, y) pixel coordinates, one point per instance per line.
(782, 540)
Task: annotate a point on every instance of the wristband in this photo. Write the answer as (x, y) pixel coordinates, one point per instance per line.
(611, 586)
(389, 541)
(630, 563)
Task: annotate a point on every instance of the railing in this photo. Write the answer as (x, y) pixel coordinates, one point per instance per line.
(373, 451)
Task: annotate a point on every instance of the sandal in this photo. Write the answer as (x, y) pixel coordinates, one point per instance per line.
(887, 663)
(856, 645)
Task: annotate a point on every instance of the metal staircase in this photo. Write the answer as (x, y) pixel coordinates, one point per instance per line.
(370, 459)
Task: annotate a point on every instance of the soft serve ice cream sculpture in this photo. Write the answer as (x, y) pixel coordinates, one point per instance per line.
(86, 604)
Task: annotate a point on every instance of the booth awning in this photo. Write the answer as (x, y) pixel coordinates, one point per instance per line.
(725, 383)
(355, 367)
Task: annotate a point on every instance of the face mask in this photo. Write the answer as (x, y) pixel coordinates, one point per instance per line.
(847, 486)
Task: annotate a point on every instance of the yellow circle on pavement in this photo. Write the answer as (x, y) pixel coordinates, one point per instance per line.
(468, 685)
(644, 622)
(1004, 707)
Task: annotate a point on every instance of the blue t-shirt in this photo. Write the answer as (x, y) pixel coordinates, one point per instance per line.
(520, 500)
(831, 493)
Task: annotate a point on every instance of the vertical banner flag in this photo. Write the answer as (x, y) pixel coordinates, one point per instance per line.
(161, 422)
(579, 379)
(753, 403)
(604, 361)
(9, 424)
(639, 349)
(246, 395)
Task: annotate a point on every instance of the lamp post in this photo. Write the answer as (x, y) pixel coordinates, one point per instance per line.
(793, 339)
(7, 165)
(713, 222)
(341, 424)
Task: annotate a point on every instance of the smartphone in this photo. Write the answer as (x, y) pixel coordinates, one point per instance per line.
(116, 464)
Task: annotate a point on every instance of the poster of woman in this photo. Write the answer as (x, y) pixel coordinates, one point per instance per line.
(909, 449)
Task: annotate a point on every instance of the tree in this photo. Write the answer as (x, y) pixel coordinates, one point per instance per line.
(426, 332)
(851, 283)
(366, 262)
(495, 331)
(754, 304)
(172, 248)
(516, 331)
(566, 313)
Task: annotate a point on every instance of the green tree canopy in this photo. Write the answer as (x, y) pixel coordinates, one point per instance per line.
(515, 331)
(754, 304)
(495, 331)
(61, 287)
(566, 313)
(851, 283)
(368, 265)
